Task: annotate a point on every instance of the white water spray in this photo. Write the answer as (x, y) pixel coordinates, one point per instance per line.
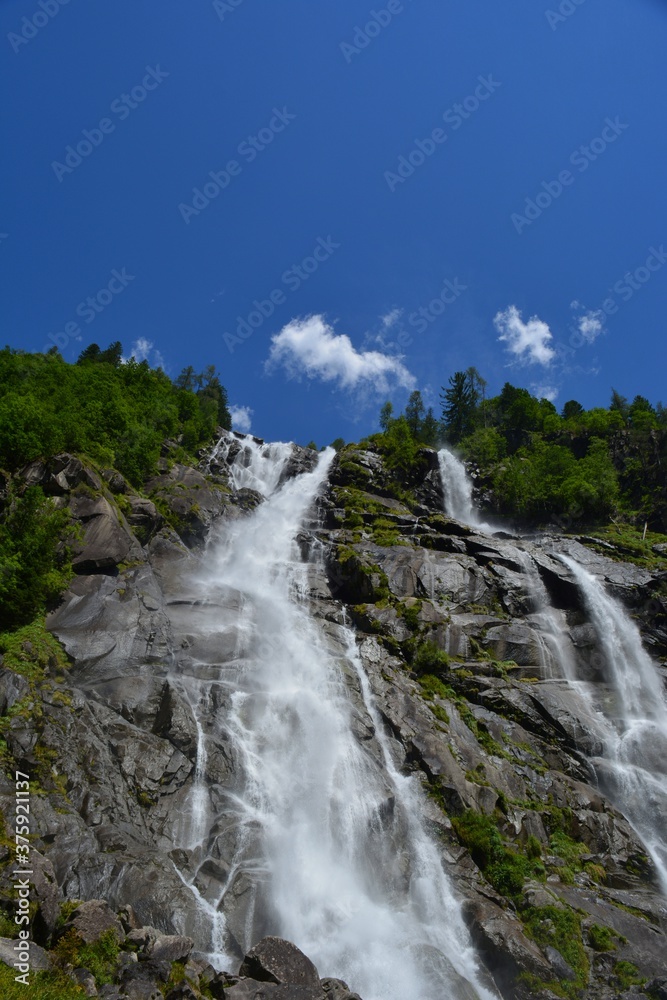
(329, 850)
(457, 490)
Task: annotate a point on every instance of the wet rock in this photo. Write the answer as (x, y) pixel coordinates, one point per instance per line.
(505, 949)
(336, 989)
(273, 960)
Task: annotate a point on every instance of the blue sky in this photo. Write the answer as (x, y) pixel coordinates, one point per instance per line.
(499, 167)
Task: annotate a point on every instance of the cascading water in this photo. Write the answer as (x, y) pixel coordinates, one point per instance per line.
(630, 724)
(326, 842)
(633, 769)
(457, 489)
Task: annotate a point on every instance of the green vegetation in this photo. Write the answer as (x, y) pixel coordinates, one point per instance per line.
(628, 975)
(560, 928)
(601, 938)
(43, 986)
(502, 865)
(34, 566)
(118, 413)
(576, 467)
(100, 958)
(429, 659)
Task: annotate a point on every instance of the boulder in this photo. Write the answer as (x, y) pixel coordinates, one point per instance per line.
(39, 959)
(105, 542)
(274, 960)
(94, 918)
(171, 948)
(60, 474)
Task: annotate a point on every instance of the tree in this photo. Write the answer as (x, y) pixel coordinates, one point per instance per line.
(90, 353)
(386, 415)
(571, 409)
(478, 385)
(400, 449)
(458, 406)
(113, 355)
(414, 413)
(186, 380)
(338, 444)
(619, 404)
(430, 429)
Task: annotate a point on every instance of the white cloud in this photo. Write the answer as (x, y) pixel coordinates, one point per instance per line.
(591, 325)
(310, 347)
(391, 318)
(549, 392)
(528, 342)
(241, 418)
(142, 350)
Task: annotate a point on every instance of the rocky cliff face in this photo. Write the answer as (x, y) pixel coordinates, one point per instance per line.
(560, 894)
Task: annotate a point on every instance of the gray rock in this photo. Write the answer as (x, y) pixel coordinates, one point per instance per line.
(94, 918)
(171, 948)
(249, 989)
(561, 968)
(39, 959)
(273, 960)
(86, 981)
(13, 687)
(336, 989)
(105, 543)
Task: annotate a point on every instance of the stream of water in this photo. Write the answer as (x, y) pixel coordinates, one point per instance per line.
(329, 849)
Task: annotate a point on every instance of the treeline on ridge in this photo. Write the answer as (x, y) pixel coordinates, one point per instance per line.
(574, 466)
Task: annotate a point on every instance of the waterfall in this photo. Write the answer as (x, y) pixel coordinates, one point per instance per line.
(457, 490)
(634, 768)
(627, 716)
(320, 832)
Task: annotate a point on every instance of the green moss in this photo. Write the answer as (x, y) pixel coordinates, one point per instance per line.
(628, 975)
(601, 938)
(31, 649)
(559, 928)
(504, 867)
(432, 686)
